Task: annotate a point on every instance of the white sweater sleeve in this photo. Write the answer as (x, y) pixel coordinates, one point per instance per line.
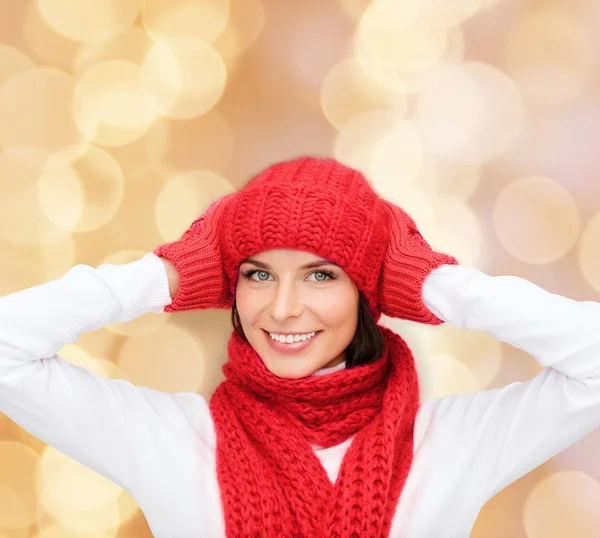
(510, 431)
(104, 424)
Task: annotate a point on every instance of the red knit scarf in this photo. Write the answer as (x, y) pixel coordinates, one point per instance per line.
(272, 483)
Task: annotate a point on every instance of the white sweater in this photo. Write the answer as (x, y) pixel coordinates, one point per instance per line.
(160, 447)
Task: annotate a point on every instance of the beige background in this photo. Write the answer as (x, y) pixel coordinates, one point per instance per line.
(121, 120)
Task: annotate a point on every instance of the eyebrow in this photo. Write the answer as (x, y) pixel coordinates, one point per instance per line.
(311, 265)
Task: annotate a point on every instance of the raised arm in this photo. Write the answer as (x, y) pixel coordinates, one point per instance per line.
(104, 424)
(508, 432)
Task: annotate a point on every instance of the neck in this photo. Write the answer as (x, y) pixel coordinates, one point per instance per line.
(330, 369)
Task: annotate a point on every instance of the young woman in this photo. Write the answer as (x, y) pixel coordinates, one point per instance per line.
(317, 429)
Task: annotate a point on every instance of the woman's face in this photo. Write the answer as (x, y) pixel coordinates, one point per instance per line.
(278, 292)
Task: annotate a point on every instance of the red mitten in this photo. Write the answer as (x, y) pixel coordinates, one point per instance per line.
(408, 261)
(197, 258)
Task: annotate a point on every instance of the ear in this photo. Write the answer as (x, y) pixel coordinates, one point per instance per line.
(407, 262)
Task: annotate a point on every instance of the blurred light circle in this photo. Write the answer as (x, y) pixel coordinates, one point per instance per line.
(347, 92)
(109, 106)
(589, 253)
(13, 61)
(76, 355)
(130, 46)
(203, 19)
(93, 20)
(35, 110)
(477, 350)
(432, 12)
(397, 157)
(184, 198)
(65, 484)
(22, 219)
(356, 143)
(81, 188)
(47, 46)
(141, 324)
(460, 230)
(55, 530)
(390, 38)
(13, 513)
(18, 500)
(454, 53)
(446, 376)
(246, 22)
(549, 55)
(183, 77)
(536, 220)
(100, 521)
(178, 362)
(25, 266)
(563, 504)
(459, 180)
(469, 112)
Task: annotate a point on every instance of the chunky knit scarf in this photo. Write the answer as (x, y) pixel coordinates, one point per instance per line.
(272, 483)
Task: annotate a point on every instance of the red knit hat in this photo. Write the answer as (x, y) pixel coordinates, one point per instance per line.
(316, 205)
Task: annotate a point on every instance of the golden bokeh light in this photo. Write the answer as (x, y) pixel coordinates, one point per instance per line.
(480, 352)
(184, 198)
(563, 504)
(130, 46)
(469, 112)
(183, 77)
(54, 530)
(22, 219)
(18, 498)
(397, 158)
(13, 61)
(88, 180)
(387, 37)
(347, 92)
(142, 324)
(356, 143)
(536, 219)
(35, 109)
(447, 375)
(550, 55)
(109, 105)
(13, 512)
(75, 495)
(46, 45)
(203, 19)
(244, 26)
(589, 253)
(24, 266)
(93, 20)
(177, 360)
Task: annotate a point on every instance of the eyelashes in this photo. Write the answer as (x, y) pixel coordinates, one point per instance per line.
(248, 274)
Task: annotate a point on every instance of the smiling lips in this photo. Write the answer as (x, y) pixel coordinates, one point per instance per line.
(292, 348)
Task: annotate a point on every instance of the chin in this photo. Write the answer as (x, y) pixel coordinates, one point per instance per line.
(291, 370)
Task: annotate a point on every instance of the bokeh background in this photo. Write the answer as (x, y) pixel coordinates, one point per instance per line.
(121, 120)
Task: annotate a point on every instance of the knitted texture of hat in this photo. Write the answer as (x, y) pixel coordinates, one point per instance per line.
(273, 485)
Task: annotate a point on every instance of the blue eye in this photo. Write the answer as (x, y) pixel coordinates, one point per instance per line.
(249, 274)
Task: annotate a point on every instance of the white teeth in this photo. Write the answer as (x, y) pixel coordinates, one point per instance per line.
(289, 339)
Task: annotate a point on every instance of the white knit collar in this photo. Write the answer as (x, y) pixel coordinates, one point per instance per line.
(324, 371)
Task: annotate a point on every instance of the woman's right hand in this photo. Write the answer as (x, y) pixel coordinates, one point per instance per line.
(194, 264)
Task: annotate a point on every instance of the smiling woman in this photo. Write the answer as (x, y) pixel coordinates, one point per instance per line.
(297, 293)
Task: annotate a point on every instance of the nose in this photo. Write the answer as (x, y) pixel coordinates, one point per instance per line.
(286, 303)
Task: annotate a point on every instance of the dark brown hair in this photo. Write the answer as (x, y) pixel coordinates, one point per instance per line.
(367, 344)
